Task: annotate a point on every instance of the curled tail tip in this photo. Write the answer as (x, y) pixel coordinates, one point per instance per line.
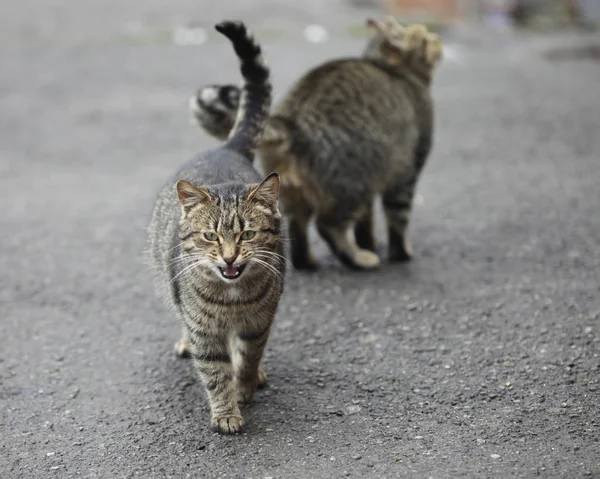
(247, 49)
(231, 28)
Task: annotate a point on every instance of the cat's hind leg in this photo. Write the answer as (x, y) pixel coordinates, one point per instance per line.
(364, 231)
(338, 232)
(182, 347)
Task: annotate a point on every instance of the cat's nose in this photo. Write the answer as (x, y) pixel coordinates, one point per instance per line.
(229, 260)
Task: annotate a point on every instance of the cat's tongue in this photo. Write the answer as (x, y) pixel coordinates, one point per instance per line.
(231, 271)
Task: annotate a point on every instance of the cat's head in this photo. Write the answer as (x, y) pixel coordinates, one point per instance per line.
(411, 46)
(231, 231)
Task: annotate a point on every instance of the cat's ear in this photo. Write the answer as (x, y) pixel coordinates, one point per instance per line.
(190, 195)
(392, 33)
(387, 27)
(373, 27)
(267, 191)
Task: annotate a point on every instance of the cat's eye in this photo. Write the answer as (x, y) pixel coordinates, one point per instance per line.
(210, 236)
(248, 235)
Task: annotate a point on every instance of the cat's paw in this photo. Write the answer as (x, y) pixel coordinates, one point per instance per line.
(366, 242)
(227, 424)
(401, 252)
(365, 259)
(262, 379)
(245, 392)
(182, 348)
(245, 395)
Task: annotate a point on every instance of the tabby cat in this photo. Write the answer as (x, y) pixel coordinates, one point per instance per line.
(216, 239)
(348, 131)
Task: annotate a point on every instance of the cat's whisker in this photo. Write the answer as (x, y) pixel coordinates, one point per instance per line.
(200, 262)
(176, 246)
(267, 266)
(186, 258)
(180, 262)
(267, 259)
(263, 250)
(274, 254)
(278, 261)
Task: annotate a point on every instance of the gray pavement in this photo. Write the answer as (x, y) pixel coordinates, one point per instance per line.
(478, 359)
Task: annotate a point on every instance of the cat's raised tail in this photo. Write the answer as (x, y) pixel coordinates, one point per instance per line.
(255, 101)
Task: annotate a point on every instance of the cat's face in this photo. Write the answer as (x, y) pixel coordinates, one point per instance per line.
(231, 231)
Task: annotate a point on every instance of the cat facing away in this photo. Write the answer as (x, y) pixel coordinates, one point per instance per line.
(348, 131)
(216, 240)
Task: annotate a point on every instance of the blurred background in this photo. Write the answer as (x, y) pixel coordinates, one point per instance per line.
(531, 13)
(56, 21)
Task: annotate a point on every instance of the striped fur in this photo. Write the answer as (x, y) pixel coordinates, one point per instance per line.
(349, 131)
(216, 241)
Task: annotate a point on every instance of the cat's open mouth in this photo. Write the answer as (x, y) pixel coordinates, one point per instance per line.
(232, 272)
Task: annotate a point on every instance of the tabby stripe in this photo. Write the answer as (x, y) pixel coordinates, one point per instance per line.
(270, 231)
(264, 208)
(397, 205)
(252, 335)
(212, 357)
(188, 236)
(201, 333)
(213, 383)
(197, 334)
(259, 297)
(176, 292)
(172, 276)
(203, 312)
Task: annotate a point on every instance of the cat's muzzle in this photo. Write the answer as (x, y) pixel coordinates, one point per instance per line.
(232, 271)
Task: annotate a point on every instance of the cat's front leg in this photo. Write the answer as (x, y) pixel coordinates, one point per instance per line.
(398, 202)
(302, 258)
(247, 349)
(299, 213)
(183, 347)
(213, 362)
